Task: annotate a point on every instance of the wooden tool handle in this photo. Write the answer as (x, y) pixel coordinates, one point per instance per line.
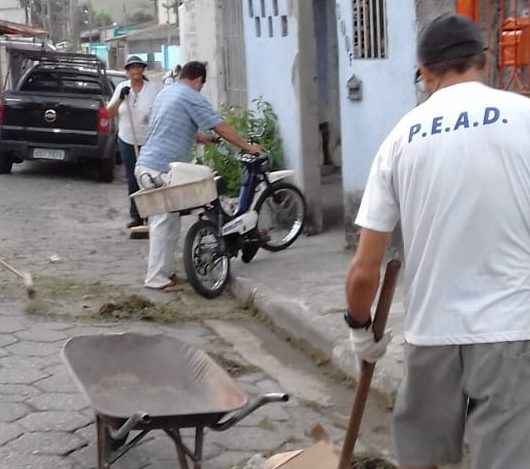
(11, 268)
(130, 114)
(385, 299)
(367, 369)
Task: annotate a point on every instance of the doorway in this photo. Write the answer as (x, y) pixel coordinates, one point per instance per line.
(329, 121)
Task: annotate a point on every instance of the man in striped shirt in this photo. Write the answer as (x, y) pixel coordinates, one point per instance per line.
(178, 116)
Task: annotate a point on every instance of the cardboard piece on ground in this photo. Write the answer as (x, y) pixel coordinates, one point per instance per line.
(322, 455)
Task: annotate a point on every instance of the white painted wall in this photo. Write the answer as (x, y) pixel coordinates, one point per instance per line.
(388, 89)
(271, 65)
(10, 11)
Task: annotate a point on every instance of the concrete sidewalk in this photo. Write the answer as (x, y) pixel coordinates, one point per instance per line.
(301, 290)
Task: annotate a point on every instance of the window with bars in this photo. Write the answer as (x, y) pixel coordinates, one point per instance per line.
(268, 18)
(370, 29)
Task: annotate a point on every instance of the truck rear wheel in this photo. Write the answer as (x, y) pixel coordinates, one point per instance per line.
(6, 164)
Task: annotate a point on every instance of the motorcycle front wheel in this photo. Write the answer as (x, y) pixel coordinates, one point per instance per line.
(281, 215)
(205, 259)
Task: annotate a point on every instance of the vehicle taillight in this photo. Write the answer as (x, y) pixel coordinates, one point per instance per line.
(103, 124)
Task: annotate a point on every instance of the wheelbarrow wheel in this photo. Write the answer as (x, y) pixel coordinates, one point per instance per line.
(205, 259)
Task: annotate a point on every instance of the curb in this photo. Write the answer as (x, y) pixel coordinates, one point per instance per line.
(323, 336)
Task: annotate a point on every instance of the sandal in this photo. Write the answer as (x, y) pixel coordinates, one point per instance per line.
(172, 286)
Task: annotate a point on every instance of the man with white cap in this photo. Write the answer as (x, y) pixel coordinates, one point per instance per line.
(132, 102)
(456, 172)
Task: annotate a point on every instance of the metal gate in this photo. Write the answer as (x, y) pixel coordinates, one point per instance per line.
(234, 54)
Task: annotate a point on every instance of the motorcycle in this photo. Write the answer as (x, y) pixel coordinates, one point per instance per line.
(270, 215)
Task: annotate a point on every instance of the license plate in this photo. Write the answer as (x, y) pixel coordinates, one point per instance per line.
(48, 154)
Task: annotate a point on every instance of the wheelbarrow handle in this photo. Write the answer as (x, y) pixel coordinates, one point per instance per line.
(248, 409)
(130, 424)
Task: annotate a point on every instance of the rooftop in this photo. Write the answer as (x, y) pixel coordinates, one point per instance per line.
(9, 27)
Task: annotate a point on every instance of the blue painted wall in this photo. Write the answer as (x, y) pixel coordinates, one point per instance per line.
(172, 56)
(270, 63)
(388, 89)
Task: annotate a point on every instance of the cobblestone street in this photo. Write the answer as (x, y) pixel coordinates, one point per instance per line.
(69, 232)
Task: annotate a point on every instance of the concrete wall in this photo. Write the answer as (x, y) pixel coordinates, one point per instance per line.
(201, 39)
(427, 10)
(271, 73)
(388, 93)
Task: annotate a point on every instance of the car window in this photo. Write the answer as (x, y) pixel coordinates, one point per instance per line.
(42, 81)
(73, 83)
(80, 84)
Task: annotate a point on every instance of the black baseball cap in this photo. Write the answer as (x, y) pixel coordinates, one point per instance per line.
(449, 37)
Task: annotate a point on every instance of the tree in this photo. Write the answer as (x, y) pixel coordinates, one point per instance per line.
(55, 21)
(140, 16)
(103, 18)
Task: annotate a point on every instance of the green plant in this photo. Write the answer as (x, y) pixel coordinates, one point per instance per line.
(259, 125)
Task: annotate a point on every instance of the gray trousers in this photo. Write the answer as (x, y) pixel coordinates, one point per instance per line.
(481, 389)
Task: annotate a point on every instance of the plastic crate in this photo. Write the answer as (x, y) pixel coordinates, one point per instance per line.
(175, 198)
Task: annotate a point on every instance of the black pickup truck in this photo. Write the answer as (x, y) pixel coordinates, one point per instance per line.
(57, 112)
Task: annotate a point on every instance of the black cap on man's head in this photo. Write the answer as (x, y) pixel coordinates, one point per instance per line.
(449, 37)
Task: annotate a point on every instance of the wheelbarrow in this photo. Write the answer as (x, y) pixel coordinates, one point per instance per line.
(137, 384)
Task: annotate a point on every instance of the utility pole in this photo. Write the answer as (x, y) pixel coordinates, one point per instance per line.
(51, 25)
(156, 8)
(125, 16)
(26, 9)
(74, 25)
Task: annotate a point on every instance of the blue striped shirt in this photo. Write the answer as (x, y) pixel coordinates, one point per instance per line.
(178, 113)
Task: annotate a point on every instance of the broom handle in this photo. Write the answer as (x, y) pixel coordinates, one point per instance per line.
(130, 115)
(11, 268)
(367, 369)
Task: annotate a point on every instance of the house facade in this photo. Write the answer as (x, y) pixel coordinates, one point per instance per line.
(338, 73)
(158, 44)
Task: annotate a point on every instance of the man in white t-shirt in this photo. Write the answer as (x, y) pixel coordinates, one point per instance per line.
(132, 102)
(456, 172)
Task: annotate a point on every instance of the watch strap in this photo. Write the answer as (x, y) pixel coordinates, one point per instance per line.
(353, 324)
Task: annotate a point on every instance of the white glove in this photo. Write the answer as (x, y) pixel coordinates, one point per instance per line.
(365, 347)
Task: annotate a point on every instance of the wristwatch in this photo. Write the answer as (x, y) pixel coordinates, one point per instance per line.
(353, 324)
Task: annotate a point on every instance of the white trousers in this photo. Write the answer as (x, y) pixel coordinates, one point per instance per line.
(164, 233)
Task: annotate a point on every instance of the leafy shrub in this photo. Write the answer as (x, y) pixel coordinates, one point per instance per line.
(259, 125)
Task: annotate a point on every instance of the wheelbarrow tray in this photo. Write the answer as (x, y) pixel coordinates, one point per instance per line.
(137, 384)
(165, 378)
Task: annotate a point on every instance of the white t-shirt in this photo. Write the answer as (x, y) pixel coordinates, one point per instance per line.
(456, 170)
(140, 104)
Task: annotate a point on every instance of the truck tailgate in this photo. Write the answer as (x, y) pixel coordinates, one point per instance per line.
(41, 118)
